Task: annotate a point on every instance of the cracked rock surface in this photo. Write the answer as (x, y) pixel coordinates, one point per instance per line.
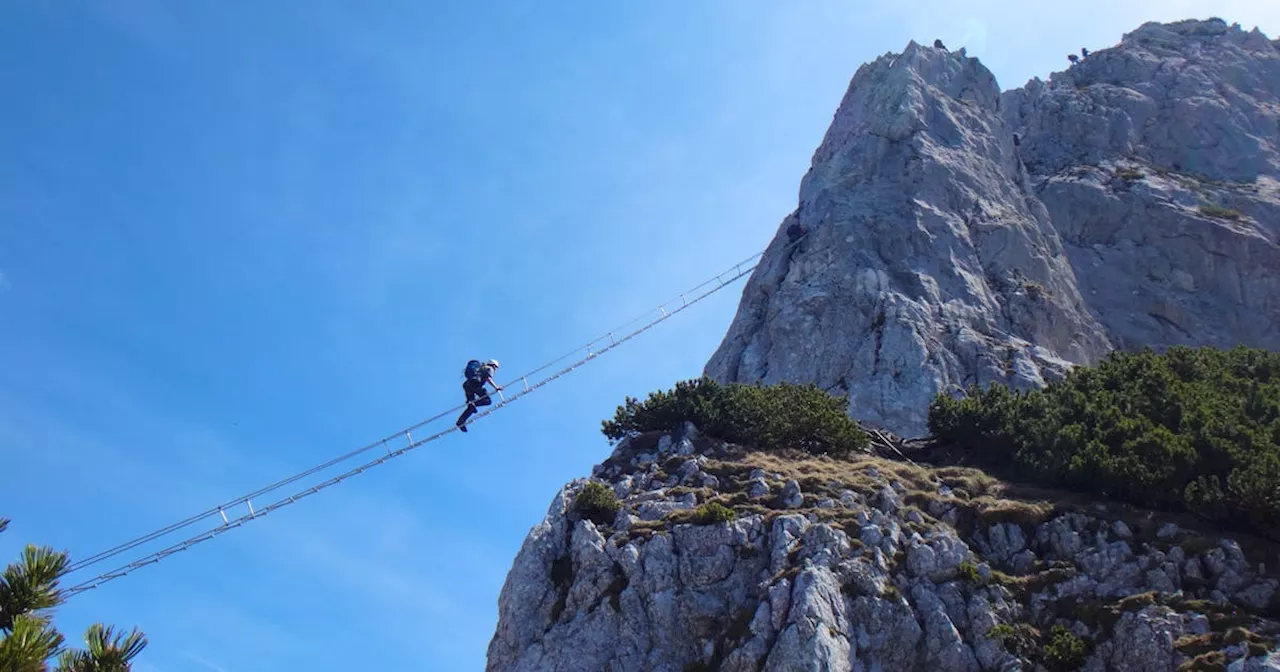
(962, 235)
(868, 564)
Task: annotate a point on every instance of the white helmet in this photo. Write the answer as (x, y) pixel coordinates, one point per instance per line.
(493, 363)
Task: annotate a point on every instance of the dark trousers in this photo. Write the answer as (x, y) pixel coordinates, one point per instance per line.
(476, 396)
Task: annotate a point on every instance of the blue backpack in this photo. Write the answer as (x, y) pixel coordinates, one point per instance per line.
(472, 372)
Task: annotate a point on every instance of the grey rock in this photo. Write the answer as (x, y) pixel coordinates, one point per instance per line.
(1001, 542)
(1191, 570)
(871, 535)
(961, 258)
(792, 498)
(889, 500)
(817, 625)
(1229, 581)
(1267, 663)
(921, 560)
(1234, 556)
(1158, 580)
(1023, 562)
(689, 471)
(1258, 595)
(1167, 530)
(944, 648)
(1143, 640)
(660, 509)
(849, 499)
(1061, 537)
(1215, 561)
(944, 254)
(779, 602)
(1198, 624)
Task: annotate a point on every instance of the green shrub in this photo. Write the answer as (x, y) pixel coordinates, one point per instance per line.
(1000, 632)
(714, 512)
(598, 503)
(967, 571)
(1065, 650)
(767, 417)
(1193, 429)
(1021, 640)
(1220, 212)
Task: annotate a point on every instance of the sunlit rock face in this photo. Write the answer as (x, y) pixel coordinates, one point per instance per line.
(959, 235)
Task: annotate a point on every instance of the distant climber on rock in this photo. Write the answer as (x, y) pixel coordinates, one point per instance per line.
(937, 44)
(1073, 58)
(1084, 53)
(477, 374)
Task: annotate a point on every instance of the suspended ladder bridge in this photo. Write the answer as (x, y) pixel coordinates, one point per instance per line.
(233, 513)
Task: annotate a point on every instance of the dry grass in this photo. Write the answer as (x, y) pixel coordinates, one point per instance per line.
(1205, 653)
(979, 498)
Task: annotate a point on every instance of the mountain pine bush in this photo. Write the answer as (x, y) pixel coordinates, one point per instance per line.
(768, 417)
(1193, 429)
(598, 503)
(28, 641)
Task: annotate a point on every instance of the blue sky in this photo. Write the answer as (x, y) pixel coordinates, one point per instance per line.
(237, 239)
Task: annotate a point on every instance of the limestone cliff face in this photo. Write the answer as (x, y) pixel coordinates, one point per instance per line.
(868, 564)
(959, 235)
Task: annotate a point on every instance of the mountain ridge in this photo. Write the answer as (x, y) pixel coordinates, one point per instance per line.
(961, 235)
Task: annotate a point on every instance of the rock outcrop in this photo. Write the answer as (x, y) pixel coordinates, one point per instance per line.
(959, 235)
(866, 564)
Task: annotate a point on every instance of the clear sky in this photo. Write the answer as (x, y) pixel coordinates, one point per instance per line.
(237, 239)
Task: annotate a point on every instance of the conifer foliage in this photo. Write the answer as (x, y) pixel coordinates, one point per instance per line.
(1193, 429)
(768, 417)
(28, 640)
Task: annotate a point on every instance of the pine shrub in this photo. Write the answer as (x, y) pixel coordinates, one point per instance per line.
(769, 417)
(598, 503)
(1193, 429)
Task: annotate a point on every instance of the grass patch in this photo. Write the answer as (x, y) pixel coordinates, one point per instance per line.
(1220, 212)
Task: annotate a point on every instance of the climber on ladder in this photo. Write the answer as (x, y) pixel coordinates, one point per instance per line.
(477, 375)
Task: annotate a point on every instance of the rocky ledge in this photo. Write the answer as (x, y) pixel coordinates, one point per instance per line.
(684, 553)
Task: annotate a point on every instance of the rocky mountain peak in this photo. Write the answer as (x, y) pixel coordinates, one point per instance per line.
(959, 235)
